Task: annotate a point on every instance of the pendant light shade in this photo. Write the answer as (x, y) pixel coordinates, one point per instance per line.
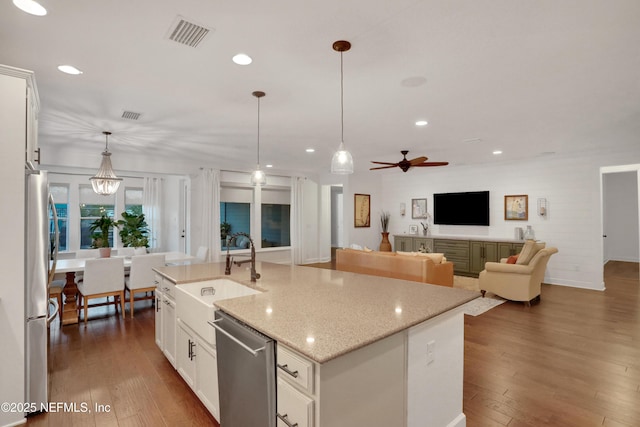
(342, 162)
(258, 178)
(105, 182)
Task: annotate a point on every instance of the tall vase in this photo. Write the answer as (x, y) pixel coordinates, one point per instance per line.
(529, 234)
(385, 245)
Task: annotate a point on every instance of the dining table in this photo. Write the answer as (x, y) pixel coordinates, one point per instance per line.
(69, 310)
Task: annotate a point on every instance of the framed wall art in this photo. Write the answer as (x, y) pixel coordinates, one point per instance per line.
(419, 209)
(516, 207)
(361, 210)
(413, 229)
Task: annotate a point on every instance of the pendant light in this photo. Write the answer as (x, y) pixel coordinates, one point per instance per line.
(342, 162)
(258, 178)
(105, 182)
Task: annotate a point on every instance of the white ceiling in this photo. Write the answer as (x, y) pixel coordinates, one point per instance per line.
(527, 78)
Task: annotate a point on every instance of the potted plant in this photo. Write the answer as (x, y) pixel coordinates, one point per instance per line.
(134, 231)
(100, 229)
(225, 228)
(385, 245)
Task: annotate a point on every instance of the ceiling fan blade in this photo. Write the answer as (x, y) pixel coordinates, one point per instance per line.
(384, 163)
(433, 164)
(418, 160)
(383, 167)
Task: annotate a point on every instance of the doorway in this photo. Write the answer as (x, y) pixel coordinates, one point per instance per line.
(621, 214)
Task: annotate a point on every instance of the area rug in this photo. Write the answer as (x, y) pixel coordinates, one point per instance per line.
(481, 305)
(478, 305)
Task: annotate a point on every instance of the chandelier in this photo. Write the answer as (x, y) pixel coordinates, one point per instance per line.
(105, 182)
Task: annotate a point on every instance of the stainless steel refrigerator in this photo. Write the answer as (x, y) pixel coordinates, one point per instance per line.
(37, 247)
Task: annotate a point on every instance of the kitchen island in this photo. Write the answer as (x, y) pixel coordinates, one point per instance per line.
(375, 351)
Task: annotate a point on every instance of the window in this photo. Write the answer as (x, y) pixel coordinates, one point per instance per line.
(133, 200)
(60, 194)
(275, 218)
(234, 218)
(92, 207)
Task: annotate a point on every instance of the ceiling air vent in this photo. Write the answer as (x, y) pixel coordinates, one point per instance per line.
(187, 33)
(130, 115)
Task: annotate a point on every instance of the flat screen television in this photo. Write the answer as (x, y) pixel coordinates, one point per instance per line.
(470, 208)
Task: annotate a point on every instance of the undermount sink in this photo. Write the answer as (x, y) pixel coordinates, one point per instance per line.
(194, 303)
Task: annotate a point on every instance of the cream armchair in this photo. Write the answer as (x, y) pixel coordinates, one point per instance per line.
(516, 282)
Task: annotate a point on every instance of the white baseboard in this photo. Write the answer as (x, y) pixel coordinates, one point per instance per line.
(459, 421)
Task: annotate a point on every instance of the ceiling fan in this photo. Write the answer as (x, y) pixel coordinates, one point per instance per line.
(405, 164)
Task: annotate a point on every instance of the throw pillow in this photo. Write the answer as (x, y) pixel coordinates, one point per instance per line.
(531, 247)
(512, 259)
(435, 257)
(406, 253)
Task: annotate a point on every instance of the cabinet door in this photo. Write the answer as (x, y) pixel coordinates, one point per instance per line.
(186, 354)
(477, 260)
(207, 378)
(422, 242)
(159, 311)
(293, 406)
(169, 329)
(403, 244)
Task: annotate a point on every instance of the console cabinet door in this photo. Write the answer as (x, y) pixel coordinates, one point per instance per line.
(482, 252)
(403, 244)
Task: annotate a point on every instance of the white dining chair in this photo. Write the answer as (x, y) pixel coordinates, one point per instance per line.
(142, 277)
(202, 254)
(126, 252)
(103, 277)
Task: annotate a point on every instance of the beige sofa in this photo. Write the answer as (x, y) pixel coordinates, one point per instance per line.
(521, 281)
(425, 268)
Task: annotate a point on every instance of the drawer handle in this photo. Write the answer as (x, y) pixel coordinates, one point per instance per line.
(285, 419)
(285, 368)
(166, 289)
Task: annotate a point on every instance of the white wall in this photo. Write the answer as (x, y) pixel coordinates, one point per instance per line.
(12, 293)
(571, 185)
(620, 211)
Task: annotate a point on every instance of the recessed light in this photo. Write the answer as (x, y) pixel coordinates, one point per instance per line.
(311, 340)
(268, 166)
(422, 123)
(242, 59)
(69, 69)
(497, 152)
(31, 7)
(310, 150)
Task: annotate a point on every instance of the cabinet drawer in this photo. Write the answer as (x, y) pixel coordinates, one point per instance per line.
(294, 368)
(167, 287)
(293, 406)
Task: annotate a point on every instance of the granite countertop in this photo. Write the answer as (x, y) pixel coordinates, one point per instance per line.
(323, 313)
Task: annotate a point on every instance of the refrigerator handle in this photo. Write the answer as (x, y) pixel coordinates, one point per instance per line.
(55, 241)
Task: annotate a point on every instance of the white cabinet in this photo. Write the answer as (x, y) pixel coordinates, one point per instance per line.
(186, 351)
(32, 152)
(169, 328)
(294, 407)
(197, 364)
(207, 378)
(159, 311)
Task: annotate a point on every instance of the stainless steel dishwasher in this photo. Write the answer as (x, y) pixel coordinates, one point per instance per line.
(246, 374)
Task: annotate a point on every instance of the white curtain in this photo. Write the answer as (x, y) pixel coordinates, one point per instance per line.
(297, 220)
(210, 213)
(152, 210)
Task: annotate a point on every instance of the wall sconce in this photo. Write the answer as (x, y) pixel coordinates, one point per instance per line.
(403, 209)
(542, 207)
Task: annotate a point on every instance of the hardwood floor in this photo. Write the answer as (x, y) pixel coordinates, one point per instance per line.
(116, 362)
(572, 360)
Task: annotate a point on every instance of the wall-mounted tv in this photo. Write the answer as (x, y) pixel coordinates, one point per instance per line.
(470, 208)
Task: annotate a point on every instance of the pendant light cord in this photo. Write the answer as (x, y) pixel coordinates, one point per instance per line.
(341, 100)
(258, 131)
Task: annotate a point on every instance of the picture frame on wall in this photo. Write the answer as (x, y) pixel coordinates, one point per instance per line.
(362, 210)
(419, 209)
(516, 207)
(413, 229)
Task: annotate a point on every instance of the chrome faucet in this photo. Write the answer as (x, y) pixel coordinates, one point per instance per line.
(254, 275)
